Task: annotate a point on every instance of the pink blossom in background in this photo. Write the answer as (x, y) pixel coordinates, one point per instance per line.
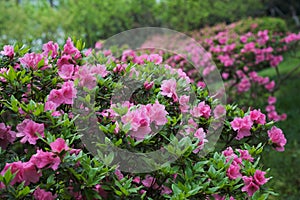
(258, 117)
(59, 145)
(201, 110)
(101, 191)
(100, 70)
(249, 47)
(233, 172)
(45, 159)
(183, 103)
(270, 86)
(50, 47)
(271, 100)
(276, 60)
(70, 49)
(277, 138)
(98, 45)
(259, 177)
(28, 129)
(168, 88)
(3, 71)
(31, 60)
(8, 50)
(219, 111)
(6, 135)
(244, 85)
(262, 37)
(66, 71)
(242, 126)
(148, 85)
(41, 194)
(86, 77)
(157, 59)
(250, 187)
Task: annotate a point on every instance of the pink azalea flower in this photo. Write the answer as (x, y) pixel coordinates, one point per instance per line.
(66, 71)
(68, 92)
(233, 172)
(183, 103)
(147, 85)
(242, 126)
(31, 60)
(250, 187)
(148, 181)
(258, 117)
(64, 60)
(271, 100)
(259, 177)
(99, 69)
(244, 154)
(50, 105)
(86, 77)
(6, 135)
(50, 47)
(40, 194)
(157, 59)
(70, 49)
(8, 50)
(168, 89)
(200, 135)
(201, 110)
(28, 129)
(277, 138)
(56, 96)
(219, 111)
(270, 86)
(45, 160)
(59, 145)
(165, 190)
(24, 172)
(244, 85)
(158, 114)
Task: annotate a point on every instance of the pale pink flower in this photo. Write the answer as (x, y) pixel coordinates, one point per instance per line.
(155, 58)
(6, 135)
(201, 110)
(66, 71)
(40, 194)
(233, 172)
(250, 187)
(86, 77)
(28, 129)
(100, 70)
(183, 103)
(219, 111)
(31, 60)
(168, 89)
(8, 50)
(59, 145)
(259, 177)
(50, 47)
(158, 114)
(277, 138)
(45, 160)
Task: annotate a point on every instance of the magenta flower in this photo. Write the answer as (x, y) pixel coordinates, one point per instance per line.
(201, 110)
(147, 85)
(200, 135)
(277, 138)
(250, 187)
(28, 129)
(259, 177)
(50, 105)
(64, 60)
(31, 60)
(271, 100)
(59, 145)
(6, 135)
(242, 126)
(56, 96)
(8, 50)
(168, 89)
(45, 160)
(40, 194)
(68, 92)
(149, 181)
(219, 111)
(70, 49)
(258, 117)
(233, 172)
(244, 154)
(50, 47)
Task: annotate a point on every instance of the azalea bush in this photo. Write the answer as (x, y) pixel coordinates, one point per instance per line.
(47, 132)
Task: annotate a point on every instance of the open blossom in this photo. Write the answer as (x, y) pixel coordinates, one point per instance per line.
(86, 77)
(258, 117)
(200, 135)
(250, 186)
(242, 126)
(50, 47)
(277, 138)
(100, 70)
(158, 114)
(259, 177)
(6, 135)
(168, 89)
(183, 103)
(244, 85)
(24, 172)
(219, 111)
(64, 59)
(201, 110)
(28, 129)
(70, 49)
(59, 145)
(66, 71)
(68, 92)
(8, 50)
(45, 159)
(270, 86)
(40, 194)
(233, 172)
(244, 154)
(31, 60)
(55, 96)
(271, 100)
(276, 60)
(155, 58)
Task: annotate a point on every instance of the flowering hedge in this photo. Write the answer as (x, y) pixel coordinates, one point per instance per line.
(45, 96)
